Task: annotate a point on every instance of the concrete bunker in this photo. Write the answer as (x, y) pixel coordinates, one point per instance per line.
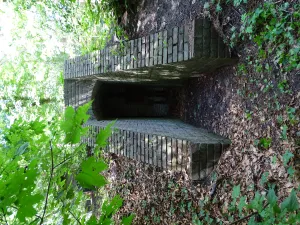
(138, 86)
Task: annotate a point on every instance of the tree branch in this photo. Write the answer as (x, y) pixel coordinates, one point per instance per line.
(49, 183)
(62, 162)
(65, 160)
(247, 217)
(33, 221)
(74, 217)
(244, 218)
(4, 216)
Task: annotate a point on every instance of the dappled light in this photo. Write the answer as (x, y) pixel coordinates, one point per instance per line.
(149, 112)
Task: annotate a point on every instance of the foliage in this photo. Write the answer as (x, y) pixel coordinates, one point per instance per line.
(32, 191)
(101, 140)
(44, 169)
(265, 142)
(88, 24)
(89, 176)
(267, 208)
(274, 29)
(72, 125)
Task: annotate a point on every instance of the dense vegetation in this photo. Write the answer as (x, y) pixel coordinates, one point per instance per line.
(44, 169)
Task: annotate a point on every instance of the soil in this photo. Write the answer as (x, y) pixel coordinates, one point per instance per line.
(150, 16)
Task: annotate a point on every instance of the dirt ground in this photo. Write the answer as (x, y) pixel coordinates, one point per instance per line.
(150, 16)
(243, 106)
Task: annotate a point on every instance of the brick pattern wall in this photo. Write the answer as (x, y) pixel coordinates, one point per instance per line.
(77, 93)
(166, 51)
(165, 57)
(168, 144)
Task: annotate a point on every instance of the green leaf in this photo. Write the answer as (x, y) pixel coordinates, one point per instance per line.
(249, 29)
(265, 142)
(22, 149)
(92, 165)
(69, 113)
(37, 126)
(271, 197)
(252, 221)
(290, 203)
(276, 209)
(242, 203)
(72, 125)
(66, 220)
(90, 176)
(206, 5)
(25, 198)
(26, 202)
(236, 191)
(127, 220)
(257, 202)
(286, 157)
(264, 178)
(81, 114)
(92, 221)
(110, 208)
(104, 134)
(88, 180)
(106, 221)
(290, 171)
(284, 132)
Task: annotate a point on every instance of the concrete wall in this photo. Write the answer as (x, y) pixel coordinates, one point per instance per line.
(170, 54)
(168, 144)
(162, 59)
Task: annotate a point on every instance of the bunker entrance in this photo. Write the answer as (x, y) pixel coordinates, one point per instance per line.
(135, 100)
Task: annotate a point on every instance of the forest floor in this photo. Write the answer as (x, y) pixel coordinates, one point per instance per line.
(246, 106)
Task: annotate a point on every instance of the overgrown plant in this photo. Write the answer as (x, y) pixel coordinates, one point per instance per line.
(274, 28)
(44, 171)
(262, 209)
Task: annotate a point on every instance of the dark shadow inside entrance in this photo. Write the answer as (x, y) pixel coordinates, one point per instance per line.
(135, 100)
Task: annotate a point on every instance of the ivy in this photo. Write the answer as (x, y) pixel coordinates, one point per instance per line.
(286, 157)
(267, 207)
(274, 29)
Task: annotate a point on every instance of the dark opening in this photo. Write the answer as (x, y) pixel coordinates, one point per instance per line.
(132, 100)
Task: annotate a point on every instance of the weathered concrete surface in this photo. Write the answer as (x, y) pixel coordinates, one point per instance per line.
(165, 143)
(170, 54)
(162, 60)
(169, 144)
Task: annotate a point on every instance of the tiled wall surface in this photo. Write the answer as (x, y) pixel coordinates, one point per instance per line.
(168, 54)
(165, 57)
(168, 144)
